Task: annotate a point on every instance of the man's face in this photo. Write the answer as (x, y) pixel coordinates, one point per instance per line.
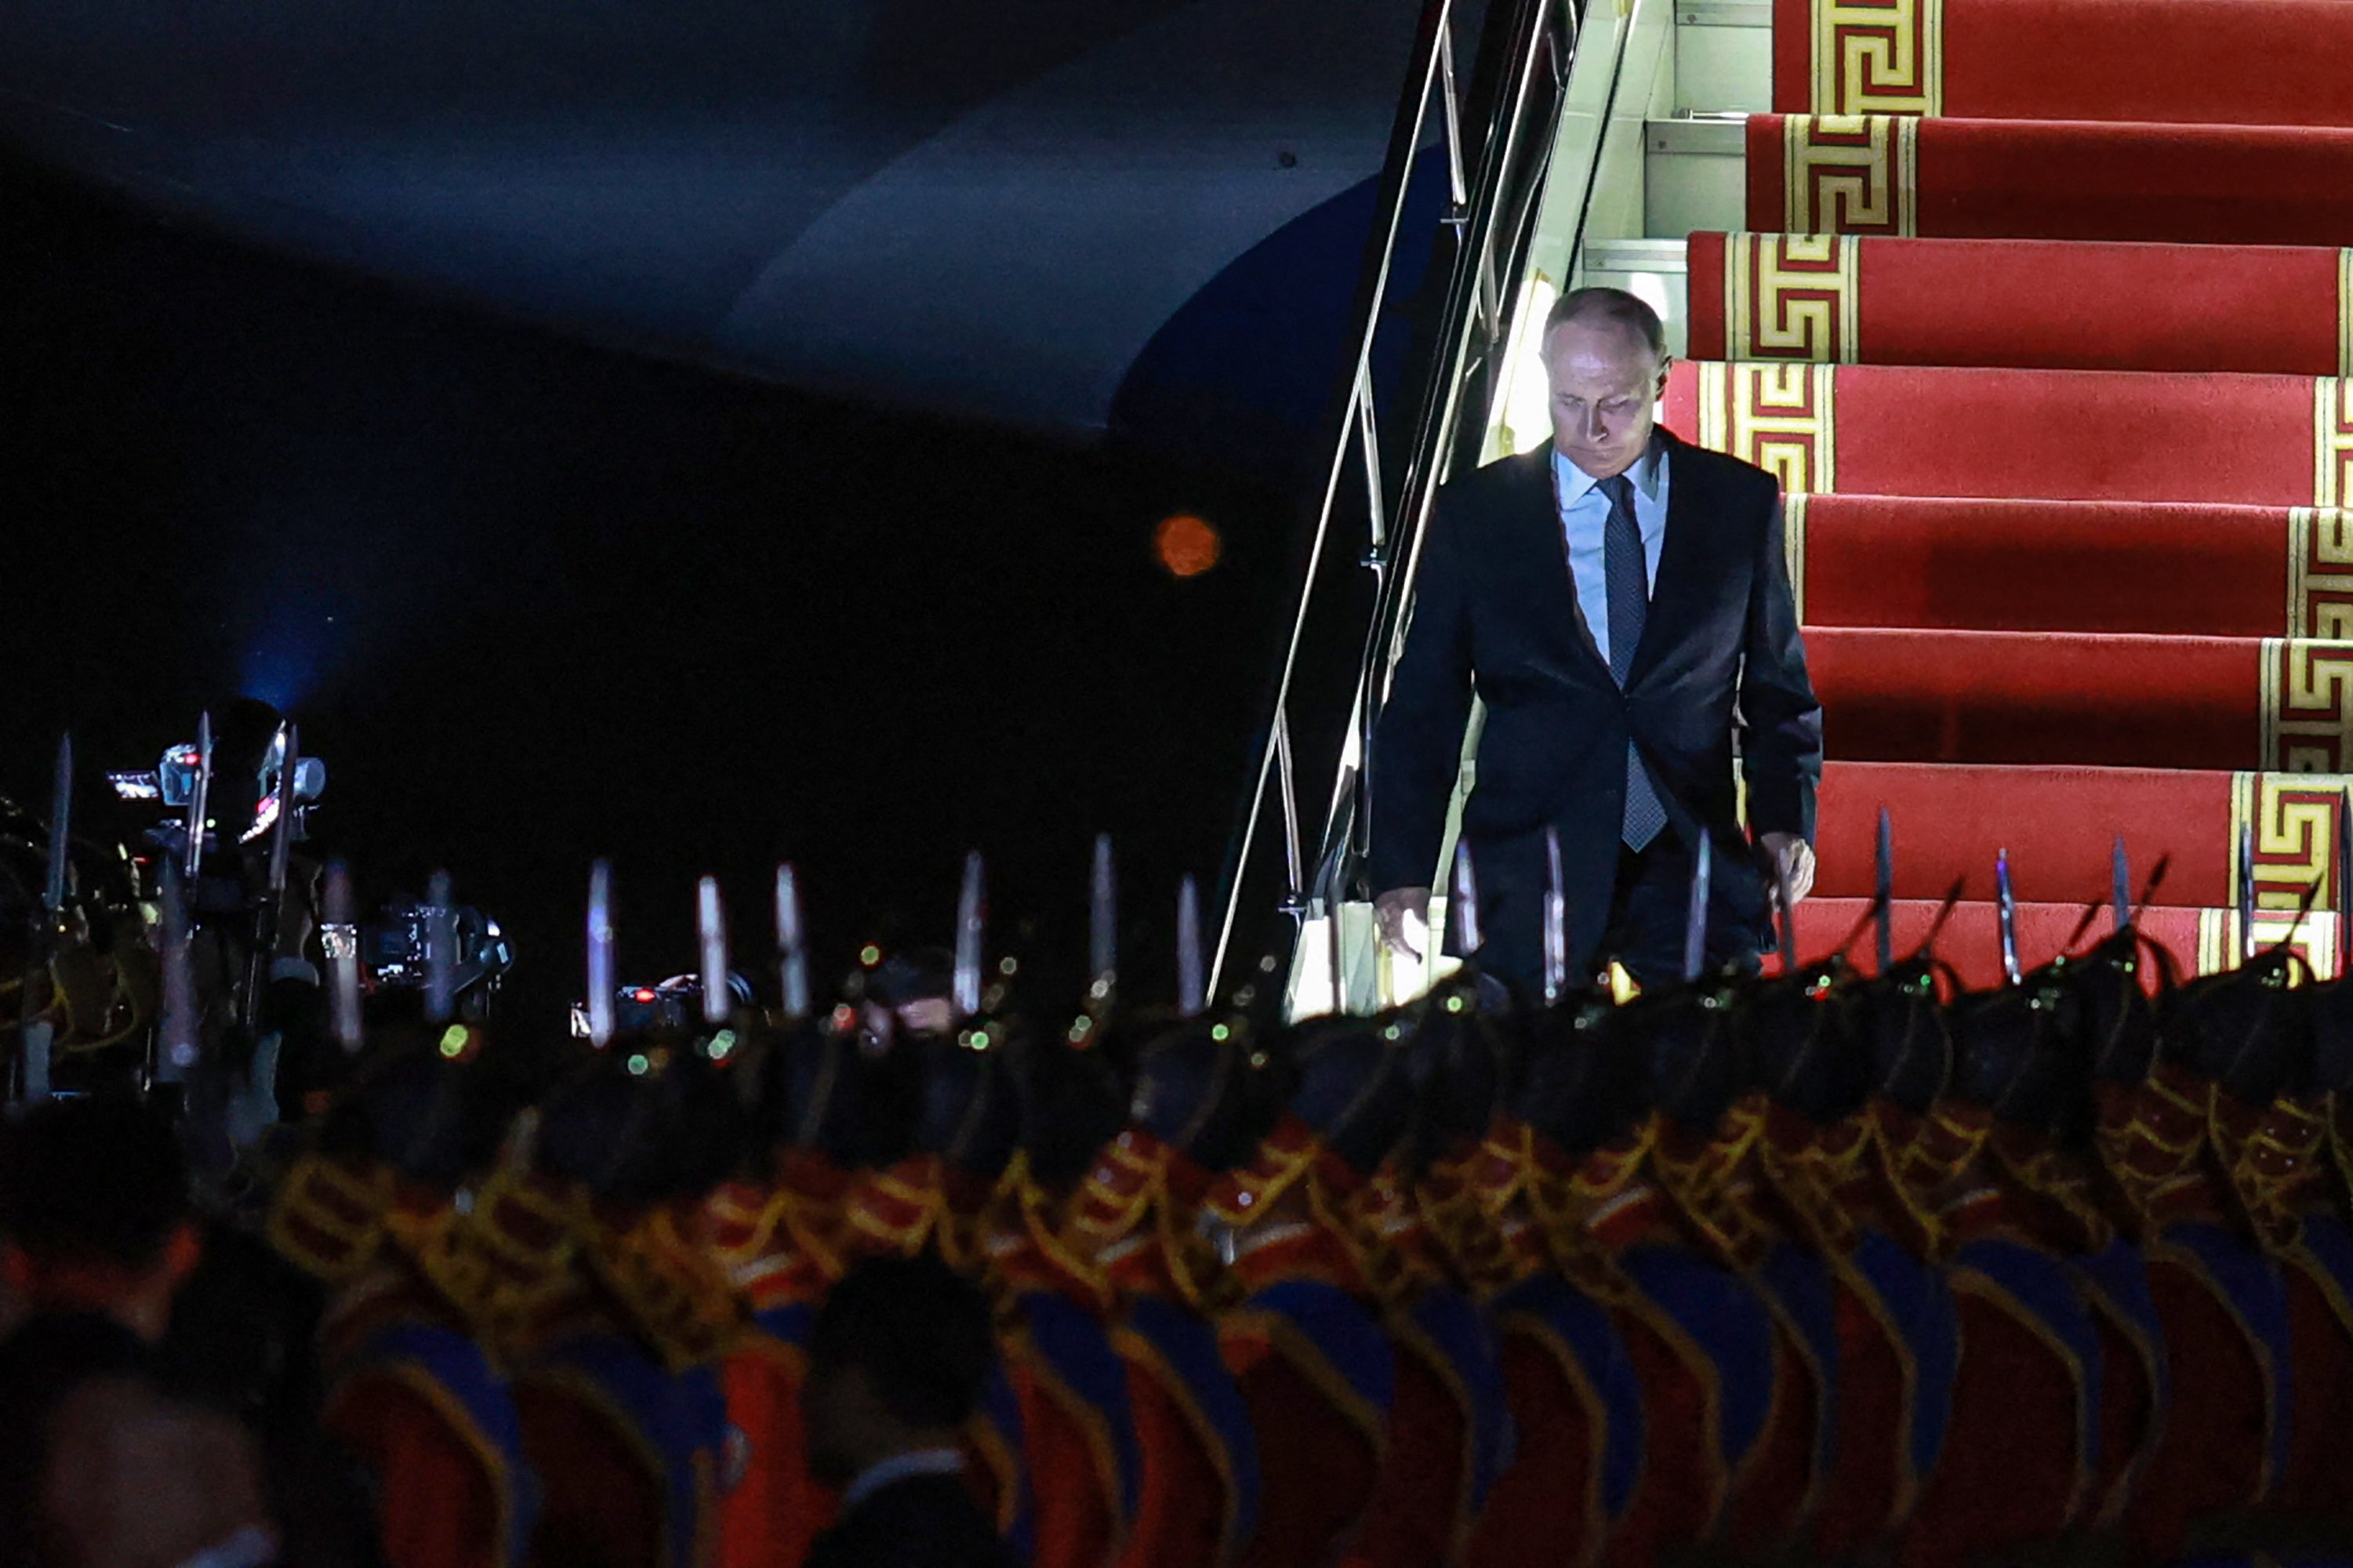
(1605, 384)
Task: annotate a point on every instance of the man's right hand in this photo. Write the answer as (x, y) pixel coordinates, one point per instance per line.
(1389, 910)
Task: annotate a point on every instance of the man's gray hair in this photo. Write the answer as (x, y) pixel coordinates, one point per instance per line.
(1613, 305)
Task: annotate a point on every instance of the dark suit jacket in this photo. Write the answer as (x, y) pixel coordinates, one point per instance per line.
(1495, 608)
(921, 1521)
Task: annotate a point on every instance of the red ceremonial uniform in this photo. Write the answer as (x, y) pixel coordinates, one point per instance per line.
(411, 1390)
(1198, 1504)
(781, 1246)
(1306, 1347)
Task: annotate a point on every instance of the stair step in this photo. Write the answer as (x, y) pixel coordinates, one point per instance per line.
(2061, 435)
(2262, 62)
(2059, 823)
(1944, 563)
(2024, 304)
(2109, 700)
(2038, 179)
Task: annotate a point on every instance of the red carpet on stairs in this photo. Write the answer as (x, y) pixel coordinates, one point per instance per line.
(2262, 62)
(2046, 322)
(2060, 435)
(2028, 303)
(2031, 179)
(1940, 562)
(2113, 699)
(2061, 822)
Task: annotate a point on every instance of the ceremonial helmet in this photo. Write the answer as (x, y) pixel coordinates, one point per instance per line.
(1803, 1032)
(2246, 1029)
(1351, 1085)
(1585, 1080)
(643, 1123)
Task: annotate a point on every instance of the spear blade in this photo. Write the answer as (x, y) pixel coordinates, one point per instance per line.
(281, 840)
(1192, 994)
(339, 940)
(601, 984)
(1556, 922)
(1787, 927)
(1882, 914)
(53, 896)
(2119, 886)
(2246, 891)
(199, 800)
(1463, 904)
(971, 917)
(268, 920)
(2344, 877)
(176, 1040)
(440, 950)
(1695, 915)
(792, 945)
(710, 941)
(1103, 925)
(2006, 906)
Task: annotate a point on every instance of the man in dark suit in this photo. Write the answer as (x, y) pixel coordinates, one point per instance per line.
(1619, 601)
(897, 1358)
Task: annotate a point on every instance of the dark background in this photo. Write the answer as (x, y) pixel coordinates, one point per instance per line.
(536, 600)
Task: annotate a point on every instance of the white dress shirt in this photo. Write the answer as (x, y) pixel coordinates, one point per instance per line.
(1584, 509)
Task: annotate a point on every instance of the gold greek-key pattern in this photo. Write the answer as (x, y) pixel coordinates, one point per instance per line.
(1882, 57)
(1778, 416)
(2218, 946)
(2320, 573)
(1851, 174)
(2345, 313)
(2295, 818)
(1793, 547)
(1792, 296)
(2332, 440)
(2307, 706)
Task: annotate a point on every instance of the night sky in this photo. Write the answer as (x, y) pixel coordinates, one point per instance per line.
(535, 599)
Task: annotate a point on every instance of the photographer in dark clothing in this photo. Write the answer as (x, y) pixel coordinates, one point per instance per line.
(896, 1360)
(96, 1239)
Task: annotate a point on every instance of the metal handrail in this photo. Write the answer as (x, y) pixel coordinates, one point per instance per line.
(1497, 140)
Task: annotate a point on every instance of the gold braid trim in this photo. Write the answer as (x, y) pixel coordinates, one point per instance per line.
(1036, 1206)
(2276, 1161)
(2051, 1176)
(1701, 1186)
(1915, 1171)
(1810, 1174)
(2139, 1156)
(677, 1296)
(528, 1237)
(444, 1247)
(328, 1217)
(1127, 1191)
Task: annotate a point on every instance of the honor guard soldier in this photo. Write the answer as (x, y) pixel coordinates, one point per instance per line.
(1055, 1303)
(1450, 1425)
(2267, 1128)
(2326, 1199)
(1194, 1111)
(1305, 1341)
(1722, 1439)
(2023, 1455)
(373, 1211)
(921, 1010)
(621, 1330)
(1577, 1416)
(820, 1120)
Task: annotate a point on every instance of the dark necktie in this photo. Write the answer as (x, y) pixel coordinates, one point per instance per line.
(1627, 579)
